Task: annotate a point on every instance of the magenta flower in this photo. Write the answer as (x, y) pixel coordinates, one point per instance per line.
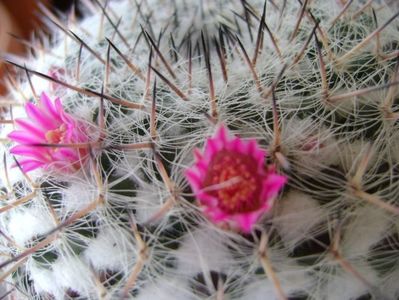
(231, 182)
(48, 125)
(57, 73)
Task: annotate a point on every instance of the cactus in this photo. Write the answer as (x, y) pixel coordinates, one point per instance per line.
(111, 212)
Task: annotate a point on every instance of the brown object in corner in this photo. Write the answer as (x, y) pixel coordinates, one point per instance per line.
(7, 44)
(24, 13)
(18, 17)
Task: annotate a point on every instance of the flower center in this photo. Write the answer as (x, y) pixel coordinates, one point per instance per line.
(232, 179)
(56, 136)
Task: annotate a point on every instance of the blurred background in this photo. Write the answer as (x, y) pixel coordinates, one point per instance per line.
(21, 18)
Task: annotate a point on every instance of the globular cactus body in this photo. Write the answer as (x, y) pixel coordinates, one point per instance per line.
(309, 85)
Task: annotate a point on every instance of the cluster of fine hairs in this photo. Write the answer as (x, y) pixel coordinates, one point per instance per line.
(314, 82)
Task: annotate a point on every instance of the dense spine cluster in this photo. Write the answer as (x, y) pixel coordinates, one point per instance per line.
(142, 84)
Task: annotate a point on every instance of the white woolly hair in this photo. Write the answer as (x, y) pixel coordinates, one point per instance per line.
(26, 224)
(71, 273)
(112, 249)
(78, 195)
(167, 288)
(298, 218)
(44, 282)
(203, 251)
(367, 227)
(342, 284)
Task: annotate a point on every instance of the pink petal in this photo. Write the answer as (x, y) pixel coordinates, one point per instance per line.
(70, 154)
(259, 156)
(23, 137)
(216, 215)
(39, 116)
(58, 107)
(212, 146)
(75, 134)
(251, 146)
(68, 120)
(34, 152)
(194, 178)
(48, 106)
(30, 164)
(65, 155)
(31, 128)
(246, 221)
(207, 200)
(82, 134)
(221, 134)
(197, 154)
(235, 145)
(256, 152)
(202, 167)
(272, 185)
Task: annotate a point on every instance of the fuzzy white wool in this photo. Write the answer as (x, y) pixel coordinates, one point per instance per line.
(295, 280)
(78, 195)
(203, 250)
(343, 285)
(392, 151)
(312, 147)
(149, 202)
(70, 272)
(128, 166)
(291, 283)
(110, 250)
(293, 277)
(351, 153)
(85, 112)
(368, 226)
(166, 288)
(389, 283)
(93, 23)
(43, 281)
(260, 290)
(28, 223)
(298, 213)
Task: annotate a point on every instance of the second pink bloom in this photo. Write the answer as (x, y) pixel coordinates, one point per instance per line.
(231, 182)
(47, 138)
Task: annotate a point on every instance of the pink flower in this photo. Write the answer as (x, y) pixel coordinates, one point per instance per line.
(57, 73)
(48, 125)
(231, 182)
